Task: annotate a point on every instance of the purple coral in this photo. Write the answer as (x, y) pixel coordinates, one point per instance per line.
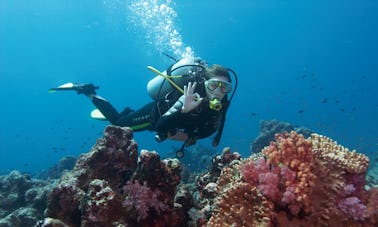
(353, 207)
(142, 198)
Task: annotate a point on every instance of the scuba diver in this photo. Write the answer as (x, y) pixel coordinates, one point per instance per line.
(194, 112)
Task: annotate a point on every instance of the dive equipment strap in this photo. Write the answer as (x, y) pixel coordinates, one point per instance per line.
(157, 72)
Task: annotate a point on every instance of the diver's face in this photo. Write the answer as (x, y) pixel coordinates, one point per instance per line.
(217, 87)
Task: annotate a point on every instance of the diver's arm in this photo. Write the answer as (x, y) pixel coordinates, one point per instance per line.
(176, 108)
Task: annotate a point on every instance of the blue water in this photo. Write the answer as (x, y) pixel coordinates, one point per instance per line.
(310, 63)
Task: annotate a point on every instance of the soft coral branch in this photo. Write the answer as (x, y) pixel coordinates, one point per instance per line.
(142, 199)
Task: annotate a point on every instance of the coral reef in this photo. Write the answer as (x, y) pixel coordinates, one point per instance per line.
(22, 199)
(293, 181)
(241, 205)
(206, 189)
(268, 129)
(372, 177)
(326, 149)
(196, 159)
(110, 186)
(55, 172)
(297, 182)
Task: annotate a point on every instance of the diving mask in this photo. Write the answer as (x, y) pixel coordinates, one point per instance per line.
(213, 84)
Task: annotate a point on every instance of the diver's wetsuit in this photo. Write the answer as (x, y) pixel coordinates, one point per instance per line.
(165, 119)
(142, 119)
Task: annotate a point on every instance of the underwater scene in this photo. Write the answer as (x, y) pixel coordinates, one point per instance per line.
(188, 113)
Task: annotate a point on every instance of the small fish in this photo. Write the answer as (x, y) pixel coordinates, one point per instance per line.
(300, 111)
(325, 100)
(253, 114)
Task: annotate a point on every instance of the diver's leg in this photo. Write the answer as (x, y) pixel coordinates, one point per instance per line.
(107, 109)
(142, 119)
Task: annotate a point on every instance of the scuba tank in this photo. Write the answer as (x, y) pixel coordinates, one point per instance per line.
(180, 73)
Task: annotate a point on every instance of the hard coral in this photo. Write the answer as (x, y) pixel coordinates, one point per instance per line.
(242, 205)
(326, 149)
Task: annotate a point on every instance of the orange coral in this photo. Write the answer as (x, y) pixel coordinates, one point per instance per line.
(242, 205)
(229, 176)
(295, 152)
(289, 149)
(326, 148)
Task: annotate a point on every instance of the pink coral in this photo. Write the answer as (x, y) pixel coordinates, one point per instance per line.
(142, 199)
(268, 185)
(249, 172)
(251, 169)
(289, 195)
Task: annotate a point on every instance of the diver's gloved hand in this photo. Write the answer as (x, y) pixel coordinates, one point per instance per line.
(191, 100)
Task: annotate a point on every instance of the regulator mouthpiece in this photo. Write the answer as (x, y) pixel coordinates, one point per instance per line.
(215, 104)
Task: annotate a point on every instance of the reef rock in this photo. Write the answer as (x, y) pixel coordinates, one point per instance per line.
(22, 199)
(55, 172)
(110, 186)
